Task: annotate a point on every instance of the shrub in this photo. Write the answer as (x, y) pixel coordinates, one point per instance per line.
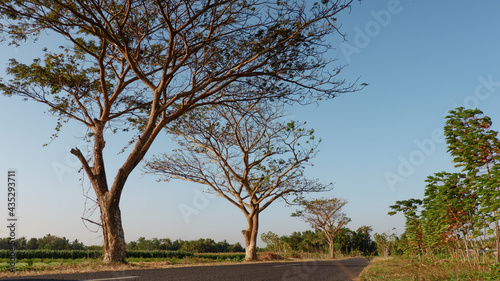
(219, 256)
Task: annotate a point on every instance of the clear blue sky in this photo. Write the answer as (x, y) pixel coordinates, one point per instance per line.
(420, 59)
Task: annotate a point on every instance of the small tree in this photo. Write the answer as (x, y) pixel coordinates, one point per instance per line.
(245, 154)
(272, 240)
(383, 244)
(476, 148)
(326, 216)
(413, 225)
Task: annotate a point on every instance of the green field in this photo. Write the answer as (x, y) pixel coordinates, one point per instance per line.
(39, 260)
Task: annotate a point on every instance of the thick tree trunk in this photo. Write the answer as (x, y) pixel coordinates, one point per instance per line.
(114, 237)
(332, 249)
(250, 235)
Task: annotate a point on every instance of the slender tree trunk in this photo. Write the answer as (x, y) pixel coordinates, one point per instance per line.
(497, 237)
(250, 235)
(114, 238)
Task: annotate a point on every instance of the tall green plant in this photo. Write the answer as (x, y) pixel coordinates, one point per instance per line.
(450, 213)
(475, 147)
(413, 234)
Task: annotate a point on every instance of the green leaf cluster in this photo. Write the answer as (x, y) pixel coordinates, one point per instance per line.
(459, 210)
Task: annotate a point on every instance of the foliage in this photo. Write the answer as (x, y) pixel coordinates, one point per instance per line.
(159, 254)
(244, 153)
(48, 242)
(459, 210)
(347, 242)
(325, 216)
(221, 256)
(51, 245)
(384, 243)
(140, 65)
(196, 246)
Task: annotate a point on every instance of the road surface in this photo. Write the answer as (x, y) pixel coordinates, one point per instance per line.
(285, 271)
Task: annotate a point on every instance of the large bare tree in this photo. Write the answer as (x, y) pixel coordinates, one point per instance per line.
(247, 154)
(140, 64)
(325, 216)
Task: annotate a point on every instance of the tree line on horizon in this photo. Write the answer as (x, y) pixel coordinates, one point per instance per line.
(51, 242)
(346, 242)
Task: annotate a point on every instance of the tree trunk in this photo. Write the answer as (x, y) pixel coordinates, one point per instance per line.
(250, 235)
(497, 237)
(114, 238)
(332, 249)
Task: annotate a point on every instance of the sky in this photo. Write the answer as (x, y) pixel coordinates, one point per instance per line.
(420, 59)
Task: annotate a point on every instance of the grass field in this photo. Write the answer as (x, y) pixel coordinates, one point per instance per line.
(398, 268)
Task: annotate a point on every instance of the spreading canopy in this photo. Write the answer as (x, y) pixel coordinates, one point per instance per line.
(246, 153)
(141, 64)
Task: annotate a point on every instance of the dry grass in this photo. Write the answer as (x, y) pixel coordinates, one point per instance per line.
(398, 268)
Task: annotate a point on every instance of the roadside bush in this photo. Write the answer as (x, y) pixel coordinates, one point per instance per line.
(158, 254)
(218, 256)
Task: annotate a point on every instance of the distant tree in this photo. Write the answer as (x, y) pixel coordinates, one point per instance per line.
(176, 245)
(223, 246)
(345, 238)
(325, 216)
(21, 243)
(413, 225)
(51, 242)
(143, 244)
(383, 244)
(94, 248)
(61, 244)
(363, 242)
(143, 63)
(132, 246)
(246, 154)
(76, 245)
(32, 244)
(236, 248)
(272, 240)
(292, 241)
(4, 243)
(313, 241)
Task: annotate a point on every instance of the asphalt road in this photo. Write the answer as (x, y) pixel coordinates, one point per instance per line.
(289, 271)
